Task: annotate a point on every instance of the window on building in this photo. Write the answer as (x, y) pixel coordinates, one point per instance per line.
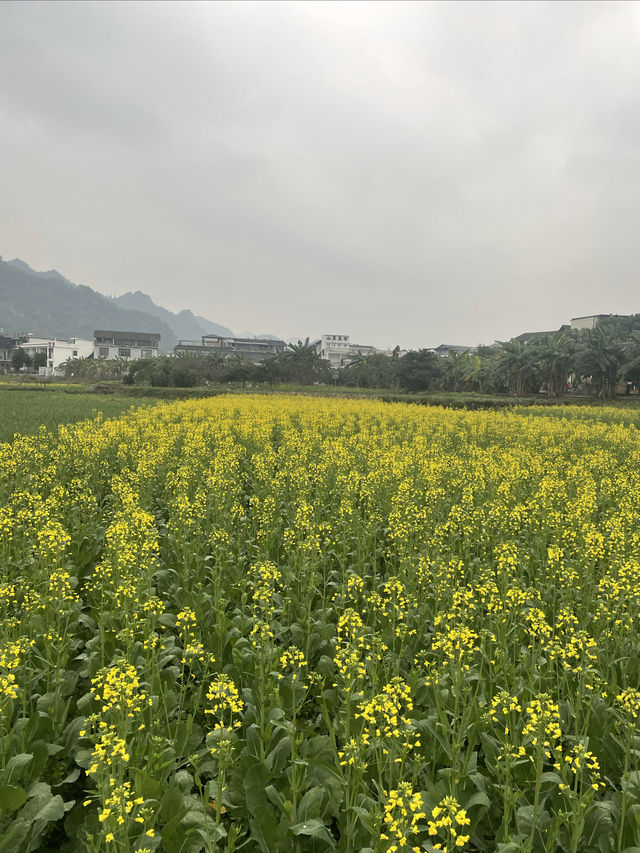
(104, 352)
(146, 353)
(75, 353)
(124, 352)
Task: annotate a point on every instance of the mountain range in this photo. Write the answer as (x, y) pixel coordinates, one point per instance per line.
(49, 305)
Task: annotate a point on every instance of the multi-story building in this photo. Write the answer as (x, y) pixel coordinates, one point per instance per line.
(8, 346)
(125, 345)
(248, 349)
(56, 351)
(340, 352)
(336, 349)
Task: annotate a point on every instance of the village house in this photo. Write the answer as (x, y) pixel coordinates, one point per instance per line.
(335, 349)
(56, 351)
(8, 346)
(445, 349)
(125, 345)
(248, 349)
(340, 352)
(590, 321)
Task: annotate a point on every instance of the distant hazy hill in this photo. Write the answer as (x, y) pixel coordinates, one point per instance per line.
(48, 304)
(264, 337)
(186, 325)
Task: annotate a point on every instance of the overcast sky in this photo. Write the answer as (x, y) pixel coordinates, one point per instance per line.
(401, 172)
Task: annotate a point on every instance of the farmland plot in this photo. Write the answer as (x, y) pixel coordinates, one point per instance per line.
(271, 625)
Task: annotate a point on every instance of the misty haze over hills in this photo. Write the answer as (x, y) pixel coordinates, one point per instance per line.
(186, 325)
(49, 305)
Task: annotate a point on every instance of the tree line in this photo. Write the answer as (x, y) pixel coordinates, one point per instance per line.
(588, 360)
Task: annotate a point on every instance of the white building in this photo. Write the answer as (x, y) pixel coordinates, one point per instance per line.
(56, 351)
(340, 352)
(588, 322)
(125, 345)
(335, 349)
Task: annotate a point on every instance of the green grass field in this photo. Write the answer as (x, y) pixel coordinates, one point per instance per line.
(24, 411)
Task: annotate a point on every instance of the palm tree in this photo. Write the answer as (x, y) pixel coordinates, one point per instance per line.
(554, 357)
(514, 366)
(372, 370)
(80, 368)
(301, 363)
(631, 350)
(460, 369)
(600, 355)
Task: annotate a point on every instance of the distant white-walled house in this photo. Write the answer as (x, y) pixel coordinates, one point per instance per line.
(125, 345)
(56, 351)
(340, 352)
(588, 322)
(335, 349)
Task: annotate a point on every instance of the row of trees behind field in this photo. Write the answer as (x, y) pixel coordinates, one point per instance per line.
(589, 360)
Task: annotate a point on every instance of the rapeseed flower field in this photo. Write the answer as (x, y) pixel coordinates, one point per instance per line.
(293, 624)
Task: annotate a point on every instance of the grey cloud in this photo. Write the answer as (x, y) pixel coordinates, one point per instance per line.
(403, 172)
